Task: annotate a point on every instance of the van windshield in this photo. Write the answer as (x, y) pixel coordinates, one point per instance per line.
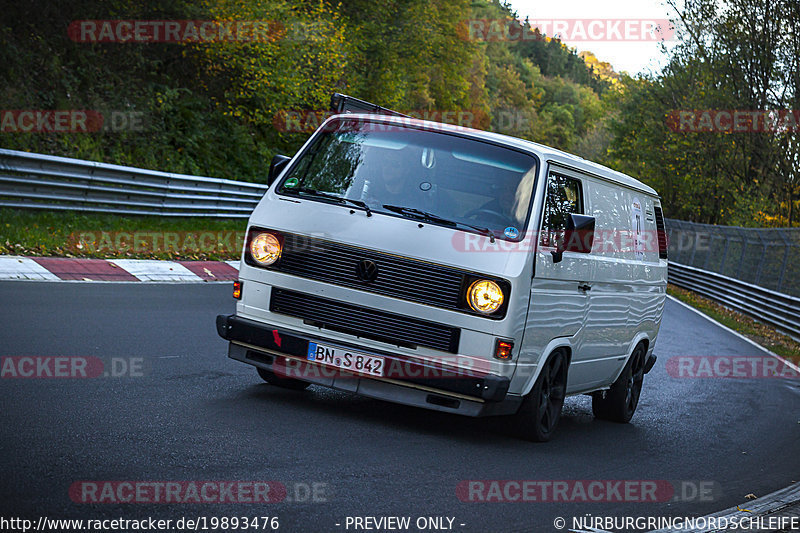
(388, 166)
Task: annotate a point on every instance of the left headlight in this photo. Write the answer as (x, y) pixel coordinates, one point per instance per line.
(265, 248)
(485, 296)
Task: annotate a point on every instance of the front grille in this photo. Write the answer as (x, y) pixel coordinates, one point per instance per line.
(399, 277)
(364, 322)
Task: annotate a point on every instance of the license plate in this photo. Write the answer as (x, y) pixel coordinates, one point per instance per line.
(361, 363)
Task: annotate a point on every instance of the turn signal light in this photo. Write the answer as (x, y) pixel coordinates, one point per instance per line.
(502, 349)
(237, 290)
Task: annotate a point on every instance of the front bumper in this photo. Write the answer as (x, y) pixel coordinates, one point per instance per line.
(419, 383)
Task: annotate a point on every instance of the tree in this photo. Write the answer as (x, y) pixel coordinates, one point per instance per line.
(741, 55)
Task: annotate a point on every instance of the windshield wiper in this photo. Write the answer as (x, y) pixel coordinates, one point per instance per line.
(340, 199)
(431, 217)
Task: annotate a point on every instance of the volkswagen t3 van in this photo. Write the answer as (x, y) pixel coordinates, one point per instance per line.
(451, 269)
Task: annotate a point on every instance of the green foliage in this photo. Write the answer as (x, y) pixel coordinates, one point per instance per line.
(741, 55)
(212, 108)
(409, 54)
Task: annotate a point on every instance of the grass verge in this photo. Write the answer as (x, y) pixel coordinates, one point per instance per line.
(73, 234)
(762, 334)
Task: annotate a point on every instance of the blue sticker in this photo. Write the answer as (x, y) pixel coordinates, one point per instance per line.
(312, 351)
(511, 232)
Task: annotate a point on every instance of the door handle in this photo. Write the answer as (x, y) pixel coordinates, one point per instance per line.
(584, 287)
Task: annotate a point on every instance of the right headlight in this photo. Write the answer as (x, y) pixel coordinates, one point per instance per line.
(485, 296)
(265, 248)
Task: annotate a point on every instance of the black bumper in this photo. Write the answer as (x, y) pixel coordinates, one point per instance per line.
(293, 345)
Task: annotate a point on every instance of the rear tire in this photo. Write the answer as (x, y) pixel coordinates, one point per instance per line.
(621, 400)
(286, 383)
(541, 409)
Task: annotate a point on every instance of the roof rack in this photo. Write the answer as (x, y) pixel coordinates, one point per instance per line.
(341, 103)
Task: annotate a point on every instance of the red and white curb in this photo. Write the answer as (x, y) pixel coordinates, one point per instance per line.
(72, 269)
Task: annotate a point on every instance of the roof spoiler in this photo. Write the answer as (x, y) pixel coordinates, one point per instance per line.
(341, 103)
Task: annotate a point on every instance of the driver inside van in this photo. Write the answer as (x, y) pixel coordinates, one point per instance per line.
(502, 206)
(393, 187)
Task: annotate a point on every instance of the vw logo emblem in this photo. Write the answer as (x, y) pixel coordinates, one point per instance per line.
(366, 270)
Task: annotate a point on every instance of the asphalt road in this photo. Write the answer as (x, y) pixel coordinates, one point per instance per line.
(193, 414)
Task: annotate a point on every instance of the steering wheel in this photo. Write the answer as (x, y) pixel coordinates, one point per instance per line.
(483, 211)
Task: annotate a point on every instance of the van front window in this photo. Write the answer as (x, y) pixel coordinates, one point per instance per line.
(406, 171)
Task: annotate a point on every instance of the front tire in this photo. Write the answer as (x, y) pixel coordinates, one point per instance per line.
(622, 398)
(541, 409)
(286, 383)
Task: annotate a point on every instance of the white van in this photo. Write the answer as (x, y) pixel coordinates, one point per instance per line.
(452, 269)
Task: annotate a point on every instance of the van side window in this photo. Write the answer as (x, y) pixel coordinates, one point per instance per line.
(563, 199)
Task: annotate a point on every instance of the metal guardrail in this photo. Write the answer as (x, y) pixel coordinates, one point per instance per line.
(36, 181)
(767, 257)
(755, 271)
(774, 308)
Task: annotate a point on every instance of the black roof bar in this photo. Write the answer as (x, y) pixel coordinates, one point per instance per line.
(341, 103)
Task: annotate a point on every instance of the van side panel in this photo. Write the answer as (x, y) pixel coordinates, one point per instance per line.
(627, 280)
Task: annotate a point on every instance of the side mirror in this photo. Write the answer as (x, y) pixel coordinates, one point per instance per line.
(578, 237)
(275, 168)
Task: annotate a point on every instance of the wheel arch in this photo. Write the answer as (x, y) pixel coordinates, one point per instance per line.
(561, 343)
(638, 339)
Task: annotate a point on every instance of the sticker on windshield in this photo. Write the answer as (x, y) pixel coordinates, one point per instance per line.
(511, 232)
(291, 183)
